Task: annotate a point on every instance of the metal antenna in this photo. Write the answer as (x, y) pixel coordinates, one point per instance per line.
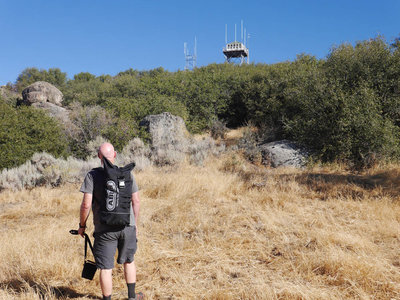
(241, 31)
(190, 59)
(226, 34)
(195, 52)
(245, 37)
(248, 57)
(235, 32)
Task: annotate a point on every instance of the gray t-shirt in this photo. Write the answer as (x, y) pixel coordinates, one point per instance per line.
(93, 184)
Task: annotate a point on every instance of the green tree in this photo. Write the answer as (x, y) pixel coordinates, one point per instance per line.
(26, 130)
(31, 75)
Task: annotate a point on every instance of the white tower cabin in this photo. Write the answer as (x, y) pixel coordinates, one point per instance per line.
(236, 51)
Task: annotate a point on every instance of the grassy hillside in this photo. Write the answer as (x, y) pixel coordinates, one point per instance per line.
(343, 107)
(228, 230)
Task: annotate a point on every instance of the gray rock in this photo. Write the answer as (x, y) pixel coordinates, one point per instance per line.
(165, 130)
(168, 138)
(57, 112)
(283, 153)
(41, 92)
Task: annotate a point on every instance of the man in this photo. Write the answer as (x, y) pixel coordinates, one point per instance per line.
(108, 238)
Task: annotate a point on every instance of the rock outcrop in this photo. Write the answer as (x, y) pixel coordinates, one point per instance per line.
(42, 92)
(47, 97)
(283, 153)
(167, 136)
(55, 111)
(165, 129)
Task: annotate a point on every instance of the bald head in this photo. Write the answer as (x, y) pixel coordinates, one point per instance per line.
(107, 150)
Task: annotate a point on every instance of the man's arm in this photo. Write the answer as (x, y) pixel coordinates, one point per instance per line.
(136, 208)
(84, 212)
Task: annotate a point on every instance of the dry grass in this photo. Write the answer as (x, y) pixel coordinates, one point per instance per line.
(228, 230)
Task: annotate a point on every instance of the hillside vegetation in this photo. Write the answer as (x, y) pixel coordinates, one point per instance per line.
(222, 227)
(227, 230)
(345, 107)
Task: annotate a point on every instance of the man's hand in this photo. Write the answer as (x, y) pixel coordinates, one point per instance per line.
(81, 232)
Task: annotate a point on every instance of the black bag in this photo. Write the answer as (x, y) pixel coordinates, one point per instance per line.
(116, 207)
(89, 267)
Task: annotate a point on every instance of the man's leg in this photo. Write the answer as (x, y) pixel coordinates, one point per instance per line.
(106, 281)
(105, 245)
(126, 252)
(130, 272)
(130, 278)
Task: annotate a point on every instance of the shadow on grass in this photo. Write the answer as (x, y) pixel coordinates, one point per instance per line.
(44, 291)
(386, 183)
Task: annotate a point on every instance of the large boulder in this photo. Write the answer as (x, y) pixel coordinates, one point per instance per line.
(41, 92)
(167, 137)
(283, 153)
(165, 129)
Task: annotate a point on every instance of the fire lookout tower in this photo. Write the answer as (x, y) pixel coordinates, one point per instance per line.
(236, 51)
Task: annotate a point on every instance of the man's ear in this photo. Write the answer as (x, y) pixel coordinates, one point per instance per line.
(115, 154)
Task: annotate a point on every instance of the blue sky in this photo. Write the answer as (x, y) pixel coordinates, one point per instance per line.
(106, 37)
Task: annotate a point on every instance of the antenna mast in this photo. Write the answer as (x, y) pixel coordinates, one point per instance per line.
(241, 31)
(190, 60)
(195, 52)
(235, 32)
(226, 33)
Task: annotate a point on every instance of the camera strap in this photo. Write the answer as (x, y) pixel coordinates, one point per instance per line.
(87, 241)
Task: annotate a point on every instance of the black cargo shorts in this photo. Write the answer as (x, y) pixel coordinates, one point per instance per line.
(106, 244)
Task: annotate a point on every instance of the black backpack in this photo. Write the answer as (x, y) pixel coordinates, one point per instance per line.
(116, 207)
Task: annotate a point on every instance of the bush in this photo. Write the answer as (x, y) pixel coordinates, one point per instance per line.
(94, 146)
(23, 176)
(248, 143)
(345, 126)
(45, 170)
(135, 151)
(31, 75)
(88, 122)
(218, 130)
(26, 130)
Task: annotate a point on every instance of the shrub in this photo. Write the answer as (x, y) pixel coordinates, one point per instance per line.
(44, 169)
(166, 155)
(23, 176)
(26, 130)
(31, 75)
(218, 130)
(94, 145)
(89, 122)
(248, 143)
(345, 126)
(135, 151)
(199, 150)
